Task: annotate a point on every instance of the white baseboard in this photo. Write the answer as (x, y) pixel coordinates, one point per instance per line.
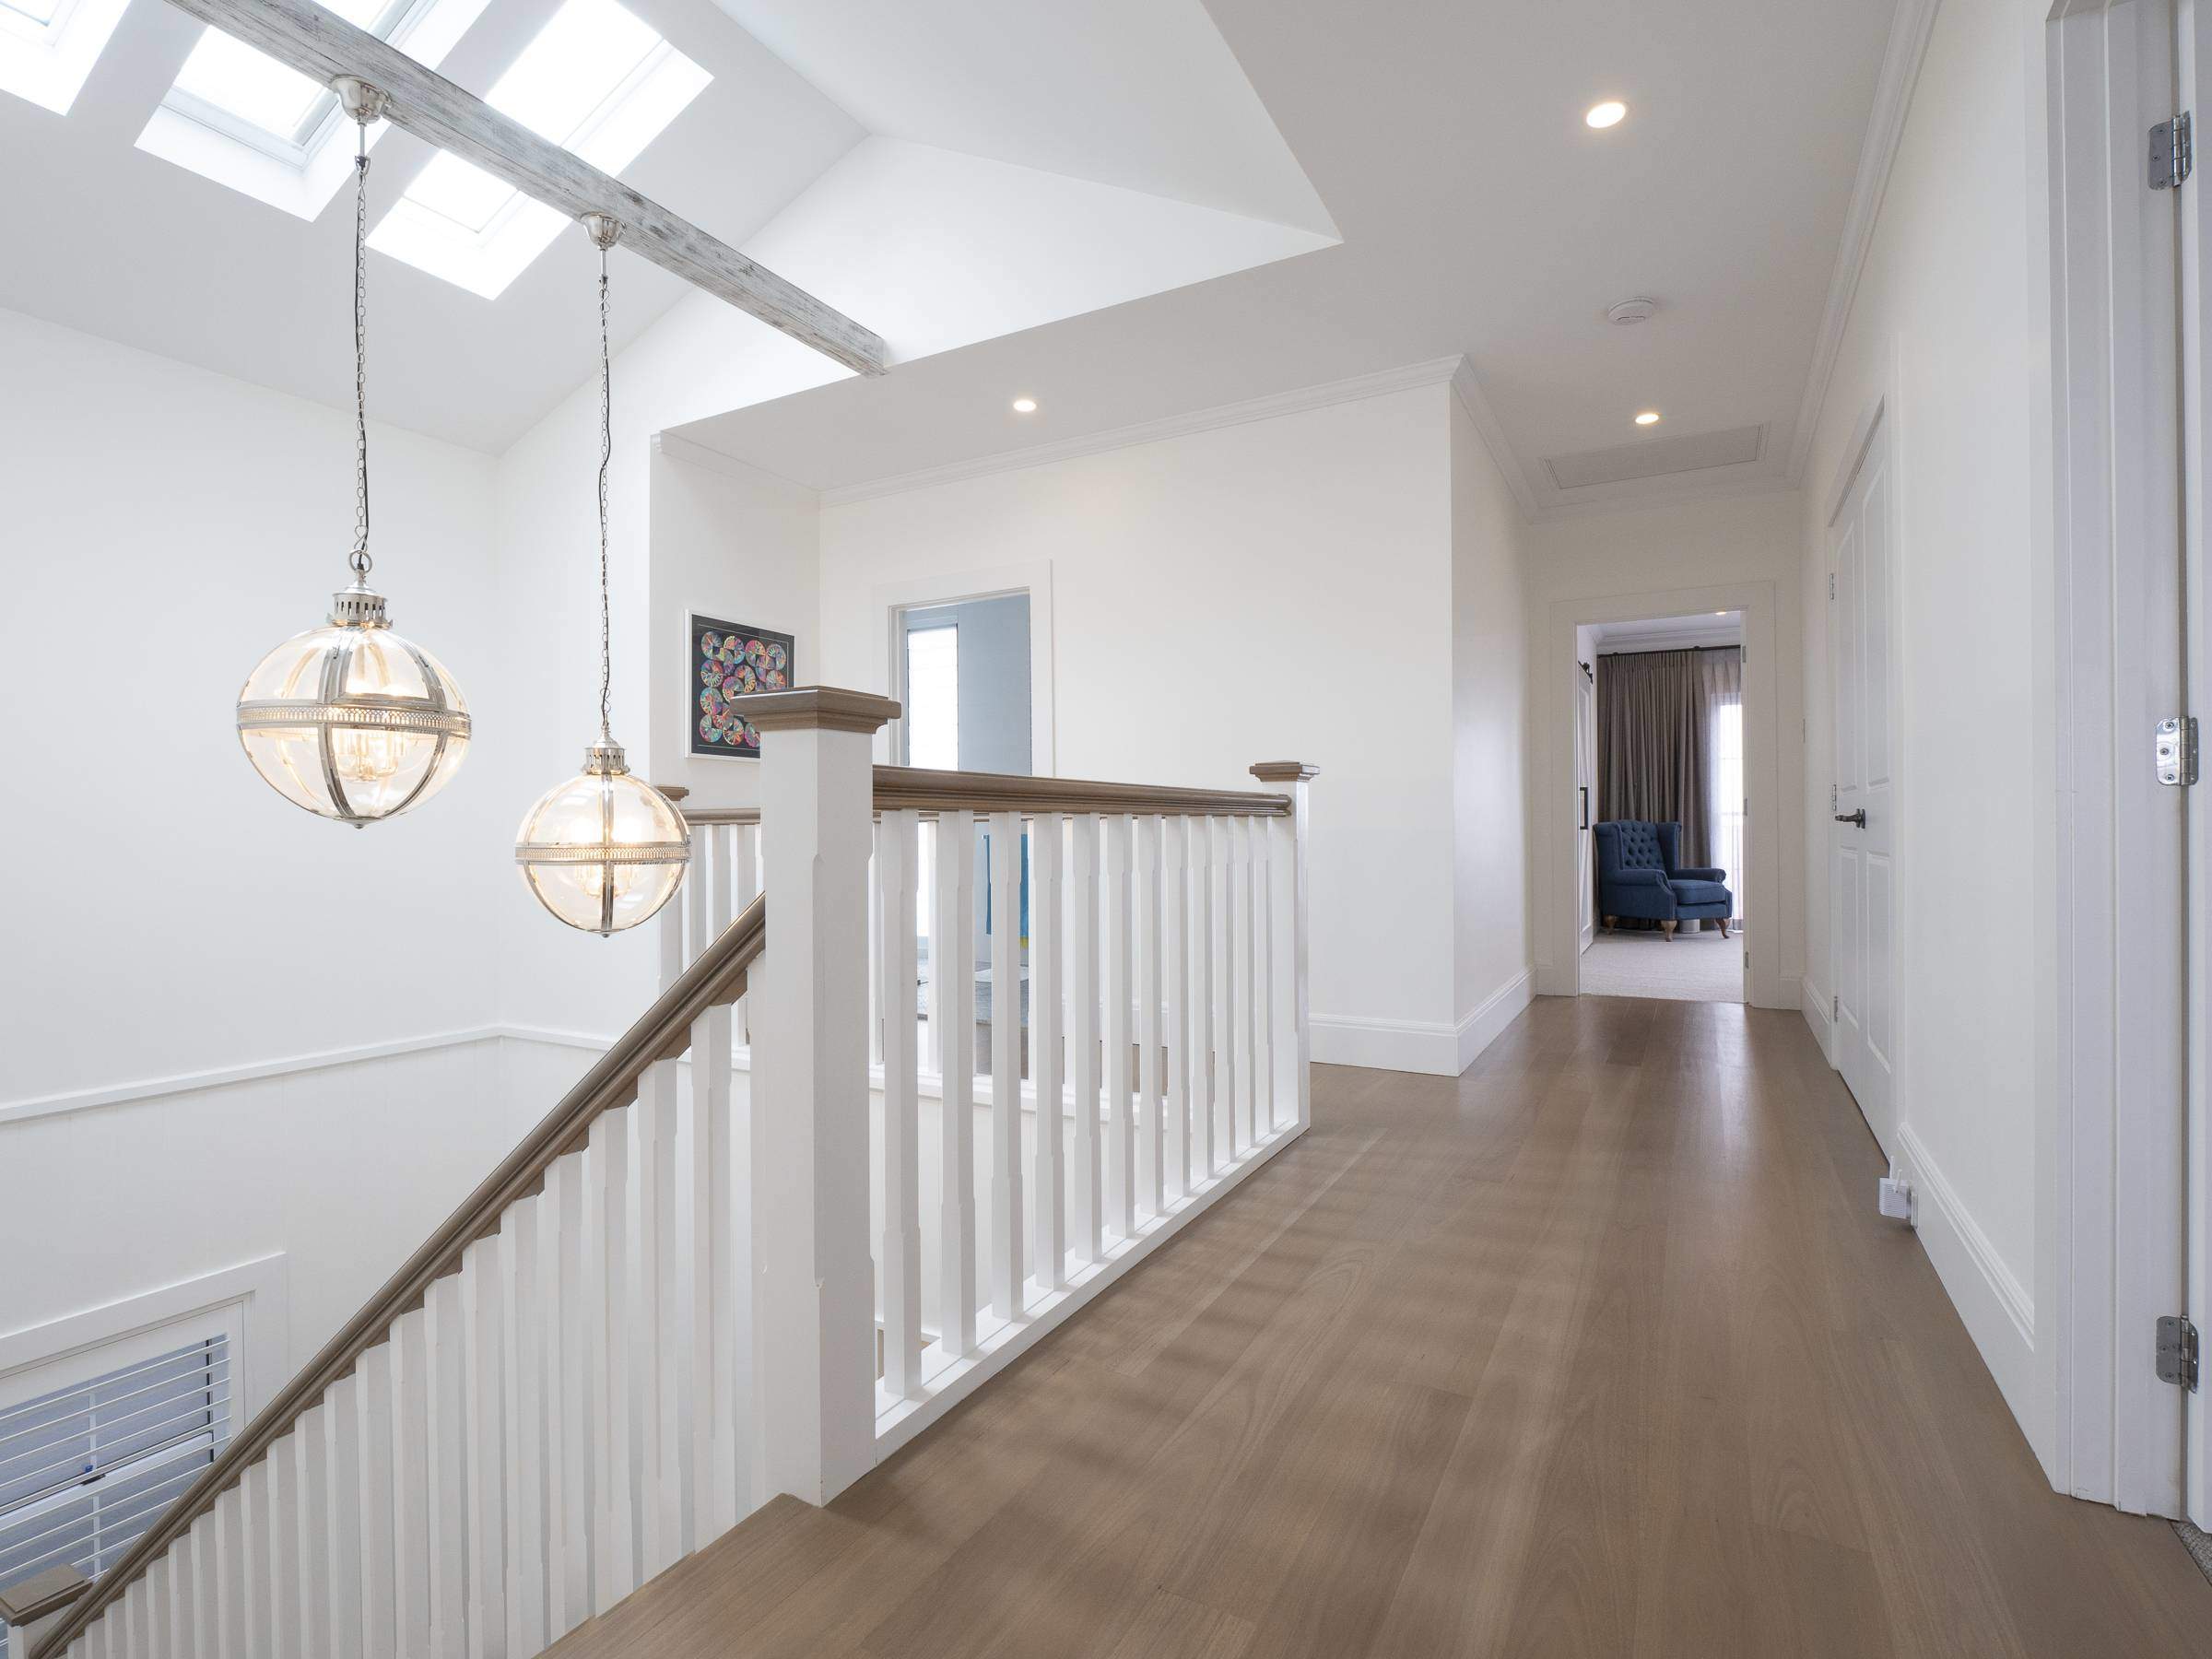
(1815, 1003)
(1406, 1045)
(1499, 1009)
(1996, 1308)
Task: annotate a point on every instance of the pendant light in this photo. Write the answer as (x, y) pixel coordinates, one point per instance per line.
(352, 721)
(603, 851)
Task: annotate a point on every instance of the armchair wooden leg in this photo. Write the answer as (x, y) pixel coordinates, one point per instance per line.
(1724, 927)
(1611, 921)
(1668, 929)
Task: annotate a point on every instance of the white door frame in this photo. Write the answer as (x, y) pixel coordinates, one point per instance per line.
(1559, 915)
(2122, 1036)
(1873, 435)
(1034, 578)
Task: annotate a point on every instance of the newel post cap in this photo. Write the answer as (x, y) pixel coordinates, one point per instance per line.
(1285, 771)
(41, 1596)
(819, 709)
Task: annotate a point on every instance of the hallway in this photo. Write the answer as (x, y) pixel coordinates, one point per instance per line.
(1598, 1349)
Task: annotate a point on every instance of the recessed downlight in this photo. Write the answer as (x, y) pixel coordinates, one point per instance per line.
(1606, 114)
(1648, 418)
(1025, 405)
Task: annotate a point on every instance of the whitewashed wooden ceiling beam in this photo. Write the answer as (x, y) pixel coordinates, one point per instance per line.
(322, 46)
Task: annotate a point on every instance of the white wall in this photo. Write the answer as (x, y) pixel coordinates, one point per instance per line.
(1494, 973)
(1281, 589)
(1947, 324)
(1689, 550)
(165, 527)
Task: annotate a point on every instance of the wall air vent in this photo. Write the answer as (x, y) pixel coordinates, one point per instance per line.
(1657, 457)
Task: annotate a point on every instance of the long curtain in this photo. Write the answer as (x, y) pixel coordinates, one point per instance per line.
(1723, 673)
(1651, 742)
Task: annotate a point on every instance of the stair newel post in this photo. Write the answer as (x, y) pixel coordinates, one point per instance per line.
(813, 1322)
(1293, 1033)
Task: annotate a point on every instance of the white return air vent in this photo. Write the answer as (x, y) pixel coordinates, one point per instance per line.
(1656, 457)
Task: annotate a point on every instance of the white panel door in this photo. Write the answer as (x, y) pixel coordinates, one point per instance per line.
(1862, 852)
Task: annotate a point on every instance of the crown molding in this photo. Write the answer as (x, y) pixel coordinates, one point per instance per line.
(1909, 28)
(1434, 372)
(1467, 387)
(675, 446)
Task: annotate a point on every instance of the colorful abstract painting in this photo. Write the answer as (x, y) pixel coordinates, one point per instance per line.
(729, 662)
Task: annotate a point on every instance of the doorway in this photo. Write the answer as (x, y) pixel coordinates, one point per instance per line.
(1662, 806)
(962, 676)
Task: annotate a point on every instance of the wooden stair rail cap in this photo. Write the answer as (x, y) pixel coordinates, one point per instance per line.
(820, 708)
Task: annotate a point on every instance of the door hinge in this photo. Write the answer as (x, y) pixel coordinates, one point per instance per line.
(2174, 750)
(1832, 584)
(2177, 1351)
(1835, 1005)
(2172, 152)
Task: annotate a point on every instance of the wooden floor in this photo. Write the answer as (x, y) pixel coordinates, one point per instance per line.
(1599, 1349)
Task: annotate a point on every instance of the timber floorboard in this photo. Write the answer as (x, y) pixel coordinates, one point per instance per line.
(1598, 1349)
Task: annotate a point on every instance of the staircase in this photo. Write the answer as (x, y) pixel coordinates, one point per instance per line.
(781, 1226)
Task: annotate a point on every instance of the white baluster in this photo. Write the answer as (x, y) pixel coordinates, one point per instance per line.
(522, 1458)
(206, 1593)
(1151, 1145)
(1087, 1183)
(136, 1632)
(1247, 1023)
(411, 1489)
(312, 1547)
(659, 1342)
(1175, 964)
(930, 926)
(952, 974)
(716, 1294)
(1223, 878)
(899, 1261)
(1005, 1064)
(1121, 1137)
(747, 888)
(482, 1288)
(607, 1262)
(230, 1620)
(182, 1582)
(381, 1477)
(572, 1499)
(1262, 971)
(279, 1544)
(1200, 992)
(341, 1519)
(1046, 1071)
(875, 956)
(448, 1450)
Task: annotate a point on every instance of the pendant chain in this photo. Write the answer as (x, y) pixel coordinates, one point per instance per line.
(360, 561)
(606, 453)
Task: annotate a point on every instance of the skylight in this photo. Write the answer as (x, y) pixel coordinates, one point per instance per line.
(48, 47)
(597, 81)
(238, 116)
(253, 98)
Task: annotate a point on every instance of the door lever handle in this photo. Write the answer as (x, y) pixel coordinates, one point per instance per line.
(1858, 817)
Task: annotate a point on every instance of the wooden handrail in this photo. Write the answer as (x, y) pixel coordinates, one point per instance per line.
(662, 1032)
(929, 791)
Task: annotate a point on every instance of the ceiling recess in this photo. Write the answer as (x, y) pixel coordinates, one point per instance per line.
(1625, 312)
(1657, 457)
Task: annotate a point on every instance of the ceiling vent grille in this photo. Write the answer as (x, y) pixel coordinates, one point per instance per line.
(1657, 457)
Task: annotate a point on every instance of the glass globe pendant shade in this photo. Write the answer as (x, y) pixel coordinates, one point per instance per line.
(603, 851)
(352, 721)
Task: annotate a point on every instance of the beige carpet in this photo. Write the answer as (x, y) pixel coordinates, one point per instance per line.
(1699, 967)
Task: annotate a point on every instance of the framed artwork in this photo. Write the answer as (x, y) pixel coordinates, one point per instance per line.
(729, 662)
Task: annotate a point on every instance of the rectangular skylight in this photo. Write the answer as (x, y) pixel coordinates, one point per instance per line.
(253, 98)
(48, 47)
(238, 116)
(597, 81)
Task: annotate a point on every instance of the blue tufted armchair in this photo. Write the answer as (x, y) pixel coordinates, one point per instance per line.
(1638, 876)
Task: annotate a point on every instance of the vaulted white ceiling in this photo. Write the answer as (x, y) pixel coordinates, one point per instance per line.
(1479, 215)
(1129, 210)
(903, 130)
